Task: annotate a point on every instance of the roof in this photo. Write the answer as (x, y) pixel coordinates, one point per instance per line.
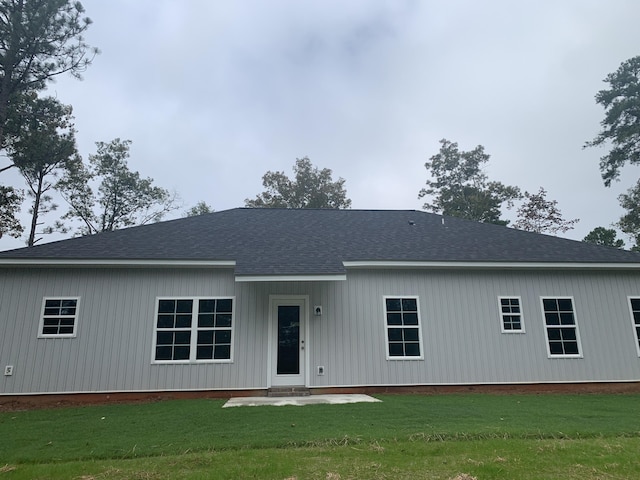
(288, 242)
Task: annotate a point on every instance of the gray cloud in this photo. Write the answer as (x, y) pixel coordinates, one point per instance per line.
(213, 94)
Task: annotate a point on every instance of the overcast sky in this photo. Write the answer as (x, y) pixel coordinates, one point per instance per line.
(214, 94)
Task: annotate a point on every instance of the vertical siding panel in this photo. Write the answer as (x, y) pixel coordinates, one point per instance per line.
(137, 345)
(333, 326)
(29, 359)
(344, 321)
(12, 313)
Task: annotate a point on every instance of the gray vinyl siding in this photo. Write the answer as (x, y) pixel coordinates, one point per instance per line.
(460, 323)
(462, 339)
(113, 347)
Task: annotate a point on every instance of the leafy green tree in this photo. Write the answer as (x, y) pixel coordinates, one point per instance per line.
(311, 188)
(40, 39)
(44, 145)
(119, 198)
(537, 214)
(621, 130)
(621, 124)
(199, 208)
(460, 188)
(10, 201)
(629, 223)
(604, 236)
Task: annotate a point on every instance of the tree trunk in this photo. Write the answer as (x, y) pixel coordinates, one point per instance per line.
(34, 215)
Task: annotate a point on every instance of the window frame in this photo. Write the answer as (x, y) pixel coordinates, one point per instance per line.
(75, 317)
(503, 314)
(636, 326)
(193, 329)
(386, 327)
(574, 326)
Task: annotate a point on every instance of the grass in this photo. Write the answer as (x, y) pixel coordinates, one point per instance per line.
(405, 436)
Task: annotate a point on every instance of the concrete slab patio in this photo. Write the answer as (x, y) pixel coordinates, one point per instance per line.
(297, 401)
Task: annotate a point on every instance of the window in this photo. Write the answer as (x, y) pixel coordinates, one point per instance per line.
(193, 330)
(511, 314)
(563, 339)
(402, 328)
(59, 317)
(634, 304)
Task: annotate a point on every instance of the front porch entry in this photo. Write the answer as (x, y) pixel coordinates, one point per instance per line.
(288, 318)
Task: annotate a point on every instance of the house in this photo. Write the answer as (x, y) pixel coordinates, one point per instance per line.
(247, 300)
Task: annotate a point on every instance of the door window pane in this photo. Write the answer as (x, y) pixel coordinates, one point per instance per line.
(288, 340)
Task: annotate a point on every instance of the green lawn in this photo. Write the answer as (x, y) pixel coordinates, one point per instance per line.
(405, 436)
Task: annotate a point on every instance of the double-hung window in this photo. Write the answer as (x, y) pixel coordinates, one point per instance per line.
(563, 338)
(634, 305)
(511, 314)
(59, 317)
(402, 322)
(194, 330)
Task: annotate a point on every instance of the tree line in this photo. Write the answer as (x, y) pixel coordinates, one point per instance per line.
(41, 40)
(458, 187)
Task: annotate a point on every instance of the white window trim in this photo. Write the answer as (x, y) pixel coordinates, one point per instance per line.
(501, 314)
(546, 327)
(386, 327)
(194, 330)
(75, 318)
(633, 321)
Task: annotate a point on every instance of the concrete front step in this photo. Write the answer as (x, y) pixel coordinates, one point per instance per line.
(288, 392)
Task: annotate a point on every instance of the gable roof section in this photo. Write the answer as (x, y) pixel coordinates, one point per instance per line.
(286, 242)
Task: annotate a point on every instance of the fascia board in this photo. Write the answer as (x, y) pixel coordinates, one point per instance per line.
(494, 265)
(290, 278)
(134, 263)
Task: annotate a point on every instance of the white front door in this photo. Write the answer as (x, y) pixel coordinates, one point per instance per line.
(288, 321)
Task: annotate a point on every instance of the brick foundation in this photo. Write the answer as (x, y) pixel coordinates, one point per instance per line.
(27, 402)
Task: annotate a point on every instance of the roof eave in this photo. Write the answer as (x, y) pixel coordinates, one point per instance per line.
(386, 264)
(122, 263)
(292, 278)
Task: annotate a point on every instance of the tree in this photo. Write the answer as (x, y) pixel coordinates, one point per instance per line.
(41, 39)
(621, 128)
(10, 200)
(604, 236)
(44, 145)
(537, 214)
(312, 188)
(122, 199)
(621, 124)
(459, 188)
(199, 208)
(629, 223)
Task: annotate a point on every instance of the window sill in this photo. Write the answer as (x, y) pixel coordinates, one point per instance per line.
(564, 356)
(57, 336)
(393, 359)
(189, 362)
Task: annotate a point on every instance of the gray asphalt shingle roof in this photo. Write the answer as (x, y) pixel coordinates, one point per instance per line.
(316, 242)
